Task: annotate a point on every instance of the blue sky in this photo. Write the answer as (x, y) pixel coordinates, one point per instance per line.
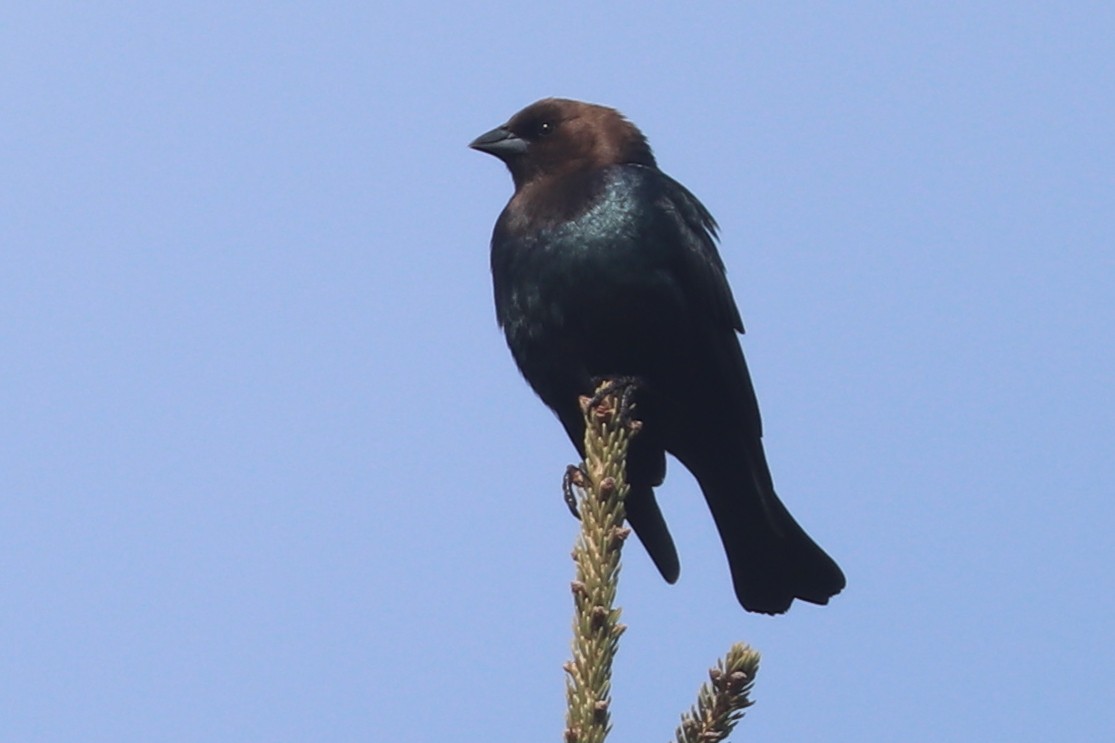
(268, 473)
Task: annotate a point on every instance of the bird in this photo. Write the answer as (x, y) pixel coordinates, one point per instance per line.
(605, 267)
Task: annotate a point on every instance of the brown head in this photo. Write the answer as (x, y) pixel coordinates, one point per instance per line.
(556, 136)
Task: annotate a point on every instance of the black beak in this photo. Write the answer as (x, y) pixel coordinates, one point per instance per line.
(501, 142)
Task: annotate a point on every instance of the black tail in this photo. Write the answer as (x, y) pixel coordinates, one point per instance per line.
(646, 519)
(773, 561)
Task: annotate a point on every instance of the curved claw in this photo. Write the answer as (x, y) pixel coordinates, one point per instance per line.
(622, 389)
(574, 476)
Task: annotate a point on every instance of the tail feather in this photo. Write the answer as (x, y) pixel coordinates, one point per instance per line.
(646, 519)
(772, 560)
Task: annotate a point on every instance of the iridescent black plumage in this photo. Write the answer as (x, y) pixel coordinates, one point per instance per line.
(604, 266)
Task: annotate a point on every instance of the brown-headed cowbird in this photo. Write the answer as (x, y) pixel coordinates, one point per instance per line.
(606, 267)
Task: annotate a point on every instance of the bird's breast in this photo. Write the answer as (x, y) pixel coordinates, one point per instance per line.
(593, 294)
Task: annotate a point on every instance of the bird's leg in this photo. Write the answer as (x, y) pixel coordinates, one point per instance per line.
(575, 477)
(623, 390)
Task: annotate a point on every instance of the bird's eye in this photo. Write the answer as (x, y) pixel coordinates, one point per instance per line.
(546, 128)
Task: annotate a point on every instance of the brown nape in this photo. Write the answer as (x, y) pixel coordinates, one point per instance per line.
(618, 141)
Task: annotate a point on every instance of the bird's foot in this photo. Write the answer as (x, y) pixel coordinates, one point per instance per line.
(575, 477)
(622, 390)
